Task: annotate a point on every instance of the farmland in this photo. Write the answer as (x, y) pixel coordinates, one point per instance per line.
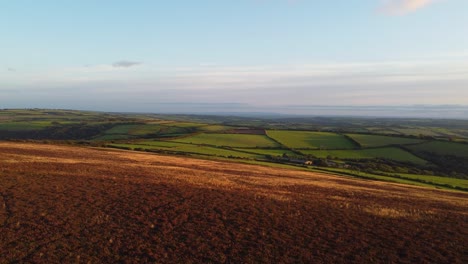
(76, 204)
(367, 141)
(385, 153)
(380, 150)
(442, 148)
(230, 140)
(311, 140)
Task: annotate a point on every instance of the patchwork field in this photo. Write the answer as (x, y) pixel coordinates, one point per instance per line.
(367, 141)
(417, 146)
(230, 140)
(61, 204)
(312, 140)
(390, 153)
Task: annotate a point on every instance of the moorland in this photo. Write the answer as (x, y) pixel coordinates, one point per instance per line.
(75, 204)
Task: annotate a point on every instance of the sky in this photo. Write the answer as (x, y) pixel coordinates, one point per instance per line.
(232, 56)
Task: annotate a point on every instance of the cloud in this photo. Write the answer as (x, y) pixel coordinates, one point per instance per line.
(402, 7)
(125, 64)
(442, 80)
(11, 70)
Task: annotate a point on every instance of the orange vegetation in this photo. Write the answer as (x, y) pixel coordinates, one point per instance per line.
(71, 204)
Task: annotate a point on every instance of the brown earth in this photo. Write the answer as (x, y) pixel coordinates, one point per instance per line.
(62, 204)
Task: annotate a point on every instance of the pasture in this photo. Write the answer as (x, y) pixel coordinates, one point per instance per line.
(311, 140)
(240, 137)
(24, 126)
(214, 128)
(370, 141)
(230, 140)
(390, 153)
(442, 148)
(139, 130)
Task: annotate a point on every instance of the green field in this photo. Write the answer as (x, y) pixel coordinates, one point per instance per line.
(437, 180)
(135, 130)
(230, 140)
(216, 138)
(390, 153)
(311, 140)
(184, 124)
(271, 152)
(377, 177)
(186, 148)
(368, 141)
(24, 126)
(417, 132)
(121, 129)
(442, 148)
(214, 128)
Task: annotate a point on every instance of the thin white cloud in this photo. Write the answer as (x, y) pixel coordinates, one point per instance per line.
(402, 7)
(442, 80)
(125, 64)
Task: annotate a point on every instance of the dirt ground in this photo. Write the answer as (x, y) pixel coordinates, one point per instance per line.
(63, 204)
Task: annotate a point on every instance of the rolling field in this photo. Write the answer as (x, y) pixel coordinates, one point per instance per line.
(442, 148)
(312, 140)
(61, 204)
(230, 140)
(368, 141)
(386, 153)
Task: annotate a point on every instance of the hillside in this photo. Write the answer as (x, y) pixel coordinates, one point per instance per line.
(364, 148)
(74, 204)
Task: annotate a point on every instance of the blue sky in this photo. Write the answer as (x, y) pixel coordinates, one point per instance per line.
(154, 55)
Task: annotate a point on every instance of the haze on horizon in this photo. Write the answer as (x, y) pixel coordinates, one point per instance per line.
(286, 56)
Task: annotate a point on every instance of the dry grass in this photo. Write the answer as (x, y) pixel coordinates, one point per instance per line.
(70, 204)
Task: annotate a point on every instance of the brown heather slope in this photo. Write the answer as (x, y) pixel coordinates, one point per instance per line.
(70, 204)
